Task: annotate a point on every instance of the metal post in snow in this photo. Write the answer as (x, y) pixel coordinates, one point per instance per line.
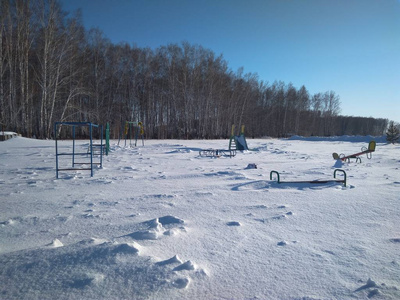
(91, 150)
(73, 145)
(101, 148)
(55, 135)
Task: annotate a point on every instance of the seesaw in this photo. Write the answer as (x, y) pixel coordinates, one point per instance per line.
(364, 150)
(313, 181)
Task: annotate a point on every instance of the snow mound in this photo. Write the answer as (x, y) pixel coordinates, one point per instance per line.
(55, 243)
(173, 260)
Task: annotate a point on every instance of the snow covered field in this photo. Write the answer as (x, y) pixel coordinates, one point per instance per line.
(161, 222)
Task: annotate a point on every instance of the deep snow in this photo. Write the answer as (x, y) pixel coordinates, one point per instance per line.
(161, 222)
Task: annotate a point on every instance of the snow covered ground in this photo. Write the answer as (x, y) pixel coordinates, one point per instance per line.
(161, 222)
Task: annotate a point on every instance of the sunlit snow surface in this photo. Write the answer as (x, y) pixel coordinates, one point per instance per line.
(162, 222)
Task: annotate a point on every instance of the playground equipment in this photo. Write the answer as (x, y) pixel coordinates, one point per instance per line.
(89, 153)
(107, 138)
(313, 181)
(5, 135)
(238, 142)
(217, 152)
(133, 129)
(106, 147)
(364, 150)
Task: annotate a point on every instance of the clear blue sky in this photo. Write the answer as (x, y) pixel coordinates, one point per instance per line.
(349, 46)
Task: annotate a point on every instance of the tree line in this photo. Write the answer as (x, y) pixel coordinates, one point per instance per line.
(54, 70)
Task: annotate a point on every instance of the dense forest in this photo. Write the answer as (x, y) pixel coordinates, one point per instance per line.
(52, 69)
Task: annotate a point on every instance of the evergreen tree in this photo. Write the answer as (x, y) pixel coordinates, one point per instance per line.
(393, 133)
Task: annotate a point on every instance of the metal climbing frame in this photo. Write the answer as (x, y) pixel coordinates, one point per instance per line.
(217, 152)
(134, 129)
(74, 153)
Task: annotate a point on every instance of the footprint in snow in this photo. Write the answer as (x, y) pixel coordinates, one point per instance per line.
(154, 224)
(144, 235)
(276, 217)
(93, 241)
(111, 249)
(86, 279)
(157, 227)
(370, 284)
(88, 215)
(167, 220)
(234, 223)
(173, 260)
(127, 248)
(180, 283)
(185, 266)
(284, 243)
(8, 222)
(261, 206)
(174, 231)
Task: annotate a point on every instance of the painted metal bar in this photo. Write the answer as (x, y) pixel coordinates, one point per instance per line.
(344, 181)
(107, 138)
(101, 147)
(91, 150)
(75, 169)
(344, 174)
(55, 137)
(76, 153)
(277, 174)
(73, 145)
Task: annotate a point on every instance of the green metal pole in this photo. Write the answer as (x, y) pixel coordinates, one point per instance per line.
(277, 174)
(107, 138)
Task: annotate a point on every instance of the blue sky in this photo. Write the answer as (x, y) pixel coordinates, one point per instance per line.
(349, 46)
